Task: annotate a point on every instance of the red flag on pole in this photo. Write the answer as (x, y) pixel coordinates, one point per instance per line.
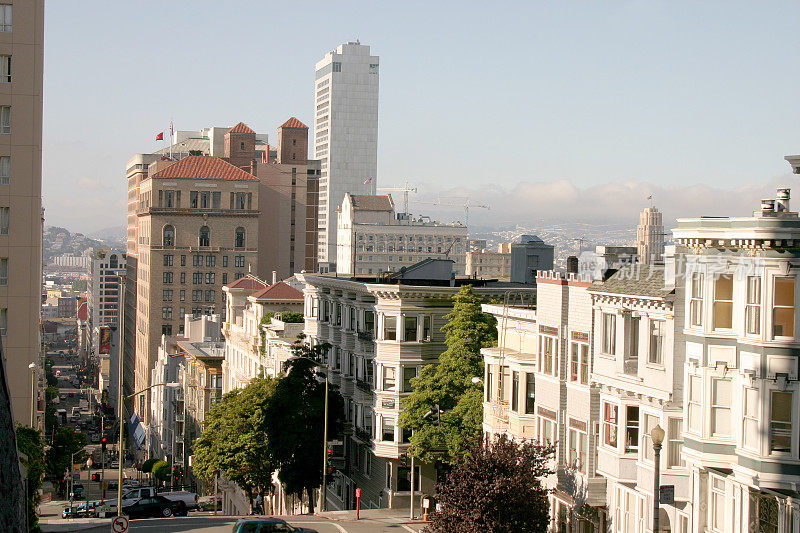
(160, 136)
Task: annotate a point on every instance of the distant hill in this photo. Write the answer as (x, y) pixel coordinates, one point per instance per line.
(113, 236)
(57, 241)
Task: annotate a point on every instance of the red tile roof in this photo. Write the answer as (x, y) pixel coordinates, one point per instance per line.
(294, 123)
(240, 128)
(204, 167)
(249, 283)
(278, 291)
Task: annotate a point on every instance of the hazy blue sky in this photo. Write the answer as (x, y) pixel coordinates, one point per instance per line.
(499, 96)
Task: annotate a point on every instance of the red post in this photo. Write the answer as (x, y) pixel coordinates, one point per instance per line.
(358, 503)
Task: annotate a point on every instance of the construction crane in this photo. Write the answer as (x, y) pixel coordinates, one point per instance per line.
(405, 190)
(466, 205)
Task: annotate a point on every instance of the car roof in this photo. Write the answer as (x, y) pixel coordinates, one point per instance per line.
(265, 520)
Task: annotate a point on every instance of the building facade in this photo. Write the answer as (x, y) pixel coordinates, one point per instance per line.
(103, 291)
(373, 239)
(650, 236)
(488, 264)
(197, 230)
(21, 74)
(381, 334)
(345, 135)
(529, 256)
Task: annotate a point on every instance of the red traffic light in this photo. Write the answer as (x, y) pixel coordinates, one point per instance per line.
(330, 451)
(104, 440)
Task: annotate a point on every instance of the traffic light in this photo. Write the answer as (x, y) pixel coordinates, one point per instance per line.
(96, 476)
(103, 443)
(177, 472)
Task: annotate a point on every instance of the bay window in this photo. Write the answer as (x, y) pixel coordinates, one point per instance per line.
(750, 418)
(610, 424)
(780, 422)
(649, 422)
(783, 308)
(696, 300)
(410, 329)
(720, 407)
(753, 306)
(530, 393)
(695, 404)
(674, 443)
(609, 333)
(390, 328)
(657, 329)
(631, 428)
(723, 302)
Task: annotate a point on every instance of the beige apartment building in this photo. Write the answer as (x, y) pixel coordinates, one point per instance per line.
(21, 54)
(488, 264)
(197, 225)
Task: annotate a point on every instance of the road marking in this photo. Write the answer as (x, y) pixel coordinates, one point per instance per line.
(407, 528)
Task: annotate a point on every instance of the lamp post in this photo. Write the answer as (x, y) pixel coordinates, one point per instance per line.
(657, 434)
(32, 366)
(323, 493)
(119, 444)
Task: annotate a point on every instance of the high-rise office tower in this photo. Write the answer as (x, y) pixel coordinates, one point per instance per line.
(345, 135)
(650, 236)
(21, 54)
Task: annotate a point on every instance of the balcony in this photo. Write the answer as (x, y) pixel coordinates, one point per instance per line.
(363, 385)
(363, 434)
(366, 336)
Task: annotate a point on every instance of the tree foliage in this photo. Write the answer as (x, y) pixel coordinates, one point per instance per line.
(29, 442)
(147, 466)
(65, 443)
(161, 470)
(294, 421)
(234, 442)
(495, 487)
(448, 384)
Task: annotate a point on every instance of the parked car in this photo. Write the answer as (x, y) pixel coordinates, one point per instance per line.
(109, 507)
(270, 525)
(114, 464)
(155, 506)
(78, 492)
(86, 509)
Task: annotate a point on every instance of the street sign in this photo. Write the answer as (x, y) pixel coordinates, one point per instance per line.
(667, 494)
(119, 524)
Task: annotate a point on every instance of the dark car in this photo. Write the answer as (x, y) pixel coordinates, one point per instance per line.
(78, 492)
(267, 525)
(155, 506)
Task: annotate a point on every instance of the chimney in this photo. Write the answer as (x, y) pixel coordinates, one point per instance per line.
(274, 277)
(767, 206)
(782, 204)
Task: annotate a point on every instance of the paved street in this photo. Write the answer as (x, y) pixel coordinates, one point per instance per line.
(206, 522)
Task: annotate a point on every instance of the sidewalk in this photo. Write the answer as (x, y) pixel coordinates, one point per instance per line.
(381, 516)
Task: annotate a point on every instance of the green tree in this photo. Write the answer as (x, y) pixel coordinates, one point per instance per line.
(29, 442)
(147, 466)
(448, 385)
(161, 471)
(291, 317)
(496, 486)
(234, 441)
(294, 421)
(65, 443)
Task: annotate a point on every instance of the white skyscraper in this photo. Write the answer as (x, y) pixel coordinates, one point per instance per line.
(345, 135)
(650, 236)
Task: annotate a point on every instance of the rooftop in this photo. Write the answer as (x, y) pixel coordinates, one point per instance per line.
(241, 128)
(250, 283)
(203, 350)
(294, 123)
(278, 291)
(204, 167)
(634, 280)
(370, 202)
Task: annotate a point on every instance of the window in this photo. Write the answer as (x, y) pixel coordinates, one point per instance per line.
(530, 393)
(674, 443)
(780, 422)
(183, 277)
(5, 69)
(720, 407)
(578, 448)
(238, 261)
(390, 328)
(197, 260)
(488, 383)
(166, 329)
(404, 479)
(210, 295)
(783, 308)
(579, 363)
(723, 302)
(631, 428)
(753, 306)
(4, 271)
(182, 296)
(696, 300)
(546, 360)
(5, 18)
(389, 378)
(167, 277)
(547, 431)
(211, 260)
(750, 418)
(649, 422)
(610, 422)
(197, 295)
(166, 312)
(168, 236)
(657, 328)
(515, 391)
(717, 514)
(337, 66)
(204, 237)
(239, 238)
(5, 170)
(183, 260)
(409, 373)
(373, 68)
(168, 259)
(387, 430)
(410, 330)
(197, 278)
(426, 328)
(166, 295)
(224, 278)
(5, 119)
(3, 321)
(240, 200)
(210, 277)
(193, 199)
(609, 333)
(224, 260)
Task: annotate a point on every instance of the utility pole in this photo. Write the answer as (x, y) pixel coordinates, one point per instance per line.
(120, 408)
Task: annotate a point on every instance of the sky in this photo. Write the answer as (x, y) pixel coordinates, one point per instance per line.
(537, 109)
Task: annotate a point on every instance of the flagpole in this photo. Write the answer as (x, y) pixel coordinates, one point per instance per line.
(170, 139)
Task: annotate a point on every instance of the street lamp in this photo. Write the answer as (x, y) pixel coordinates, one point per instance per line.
(323, 492)
(121, 420)
(657, 434)
(32, 366)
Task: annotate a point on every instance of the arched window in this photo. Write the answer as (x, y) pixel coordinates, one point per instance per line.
(169, 236)
(239, 243)
(112, 261)
(205, 236)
